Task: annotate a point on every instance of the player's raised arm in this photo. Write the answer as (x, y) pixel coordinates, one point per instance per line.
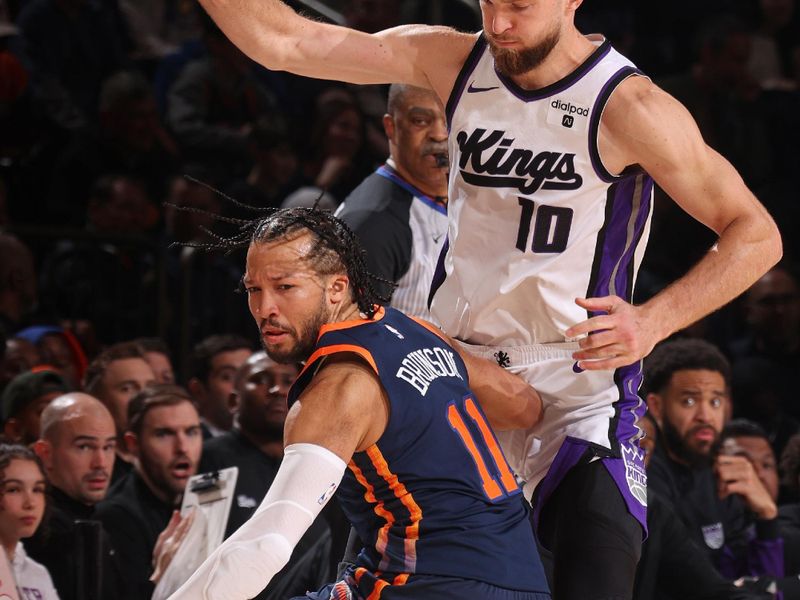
(646, 126)
(273, 34)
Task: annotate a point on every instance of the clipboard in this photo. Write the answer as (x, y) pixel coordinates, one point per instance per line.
(212, 494)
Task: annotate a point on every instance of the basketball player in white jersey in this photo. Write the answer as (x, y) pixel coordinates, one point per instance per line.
(555, 143)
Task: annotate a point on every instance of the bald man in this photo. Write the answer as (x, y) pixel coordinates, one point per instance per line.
(77, 445)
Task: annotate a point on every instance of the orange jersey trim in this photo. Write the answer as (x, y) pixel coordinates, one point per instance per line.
(407, 499)
(379, 314)
(434, 330)
(380, 584)
(509, 483)
(369, 495)
(328, 350)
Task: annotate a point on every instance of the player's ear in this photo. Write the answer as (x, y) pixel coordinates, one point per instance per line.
(339, 288)
(44, 450)
(388, 126)
(655, 405)
(131, 443)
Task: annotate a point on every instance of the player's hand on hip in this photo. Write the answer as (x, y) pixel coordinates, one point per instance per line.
(615, 339)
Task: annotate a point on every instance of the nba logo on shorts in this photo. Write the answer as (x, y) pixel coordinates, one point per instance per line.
(568, 121)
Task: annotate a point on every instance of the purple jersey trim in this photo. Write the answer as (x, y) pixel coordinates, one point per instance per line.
(594, 122)
(439, 274)
(461, 81)
(628, 205)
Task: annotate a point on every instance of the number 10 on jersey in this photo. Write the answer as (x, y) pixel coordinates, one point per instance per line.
(457, 416)
(551, 225)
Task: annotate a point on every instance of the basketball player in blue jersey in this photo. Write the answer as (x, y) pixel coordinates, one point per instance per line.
(555, 144)
(387, 402)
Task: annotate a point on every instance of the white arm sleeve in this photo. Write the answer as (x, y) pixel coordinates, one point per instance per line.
(246, 562)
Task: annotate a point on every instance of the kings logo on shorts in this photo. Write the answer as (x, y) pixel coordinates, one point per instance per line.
(713, 535)
(635, 473)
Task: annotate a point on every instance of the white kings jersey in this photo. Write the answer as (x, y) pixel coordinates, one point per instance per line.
(535, 219)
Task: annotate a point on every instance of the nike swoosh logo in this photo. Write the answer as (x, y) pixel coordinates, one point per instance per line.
(477, 90)
(436, 238)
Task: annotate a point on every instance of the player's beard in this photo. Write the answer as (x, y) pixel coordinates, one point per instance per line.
(679, 446)
(511, 62)
(305, 338)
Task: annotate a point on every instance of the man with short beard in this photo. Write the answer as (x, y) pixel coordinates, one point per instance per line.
(255, 446)
(165, 440)
(556, 142)
(718, 496)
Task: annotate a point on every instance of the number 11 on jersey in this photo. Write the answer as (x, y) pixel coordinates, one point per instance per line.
(456, 418)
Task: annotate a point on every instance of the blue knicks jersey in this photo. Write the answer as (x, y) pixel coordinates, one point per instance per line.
(434, 496)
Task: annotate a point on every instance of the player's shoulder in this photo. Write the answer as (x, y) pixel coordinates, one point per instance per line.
(639, 101)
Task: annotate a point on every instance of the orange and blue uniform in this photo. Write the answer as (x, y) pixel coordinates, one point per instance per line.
(434, 501)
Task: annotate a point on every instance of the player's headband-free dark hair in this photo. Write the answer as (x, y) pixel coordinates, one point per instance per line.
(336, 247)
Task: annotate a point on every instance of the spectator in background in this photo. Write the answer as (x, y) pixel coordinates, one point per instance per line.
(20, 356)
(274, 156)
(18, 289)
(193, 274)
(214, 103)
(255, 446)
(128, 138)
(164, 437)
(24, 400)
(115, 259)
(789, 511)
(670, 549)
(58, 348)
(767, 355)
(199, 203)
(74, 45)
(745, 438)
(335, 159)
(776, 35)
(686, 383)
(22, 505)
(399, 213)
(77, 446)
(157, 356)
(214, 364)
(114, 377)
(160, 27)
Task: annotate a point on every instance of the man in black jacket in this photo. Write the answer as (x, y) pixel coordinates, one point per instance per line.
(77, 445)
(721, 501)
(165, 439)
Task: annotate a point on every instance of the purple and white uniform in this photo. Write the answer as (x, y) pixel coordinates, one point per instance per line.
(536, 220)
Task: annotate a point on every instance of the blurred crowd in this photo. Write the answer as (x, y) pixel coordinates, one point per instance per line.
(132, 132)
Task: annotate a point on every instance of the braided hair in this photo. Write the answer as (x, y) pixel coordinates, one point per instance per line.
(335, 249)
